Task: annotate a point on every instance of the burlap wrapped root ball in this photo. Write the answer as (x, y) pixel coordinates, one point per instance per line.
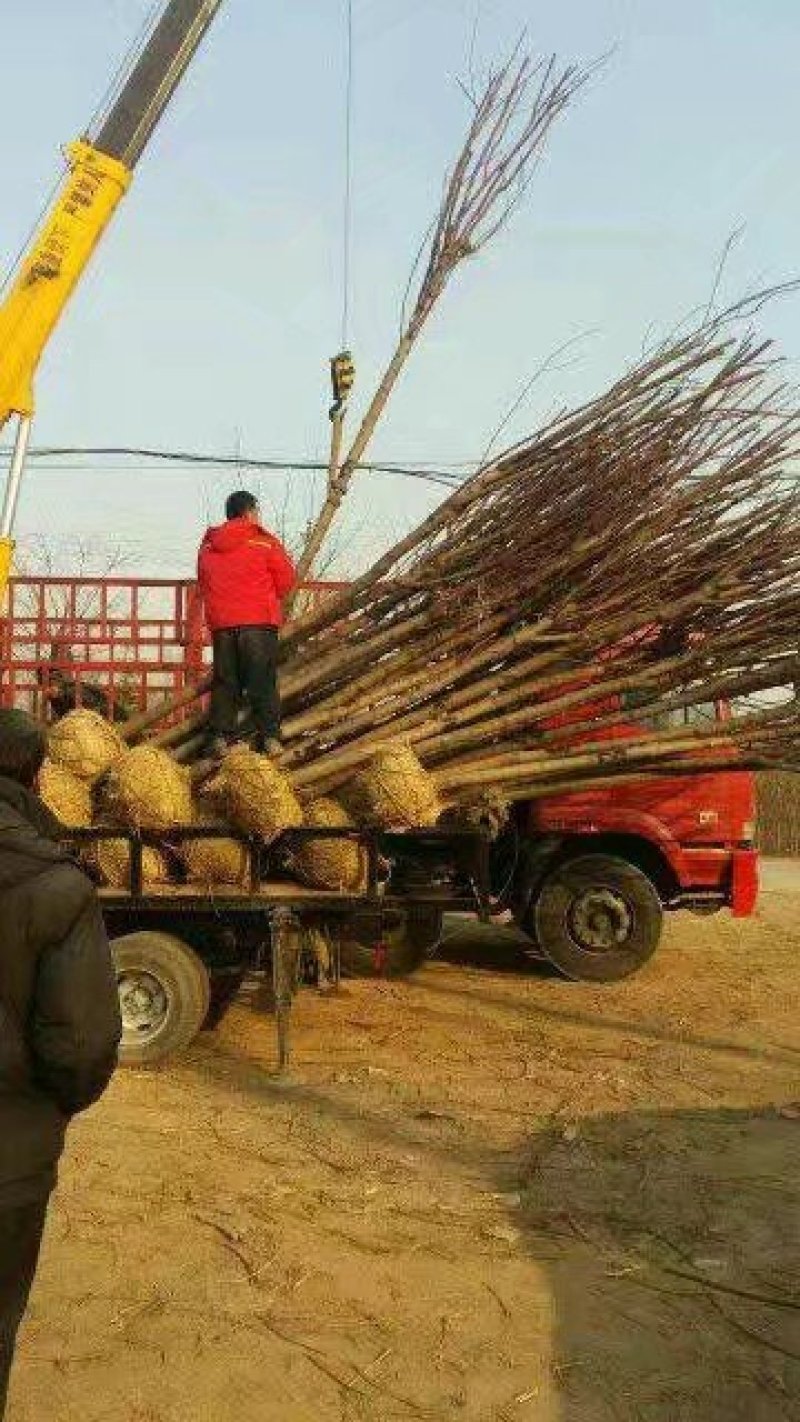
(65, 796)
(85, 743)
(148, 790)
(339, 864)
(215, 861)
(394, 789)
(258, 797)
(112, 857)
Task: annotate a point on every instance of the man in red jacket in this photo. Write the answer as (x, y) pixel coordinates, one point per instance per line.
(244, 573)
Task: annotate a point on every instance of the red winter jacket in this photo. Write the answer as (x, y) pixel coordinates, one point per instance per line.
(243, 573)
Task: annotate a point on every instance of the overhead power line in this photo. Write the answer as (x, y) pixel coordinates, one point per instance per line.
(449, 475)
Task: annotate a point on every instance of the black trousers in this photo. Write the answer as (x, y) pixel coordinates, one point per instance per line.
(21, 1230)
(245, 672)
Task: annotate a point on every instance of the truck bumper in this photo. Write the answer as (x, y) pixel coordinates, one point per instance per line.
(744, 882)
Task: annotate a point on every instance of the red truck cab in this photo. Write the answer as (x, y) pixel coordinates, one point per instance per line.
(601, 866)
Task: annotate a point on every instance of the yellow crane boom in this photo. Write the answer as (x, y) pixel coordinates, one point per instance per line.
(100, 173)
(52, 268)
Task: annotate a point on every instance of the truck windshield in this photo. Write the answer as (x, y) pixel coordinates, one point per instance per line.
(701, 715)
(693, 715)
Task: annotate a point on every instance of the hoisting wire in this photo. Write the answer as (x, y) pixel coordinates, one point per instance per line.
(112, 92)
(343, 371)
(347, 235)
(131, 57)
(10, 274)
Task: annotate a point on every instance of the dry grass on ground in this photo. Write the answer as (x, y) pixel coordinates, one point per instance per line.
(486, 1196)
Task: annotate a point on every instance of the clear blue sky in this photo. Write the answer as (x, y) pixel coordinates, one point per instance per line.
(208, 317)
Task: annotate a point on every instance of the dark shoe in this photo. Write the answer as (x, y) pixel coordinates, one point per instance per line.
(270, 747)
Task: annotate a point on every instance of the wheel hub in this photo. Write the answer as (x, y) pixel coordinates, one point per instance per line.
(600, 920)
(143, 1003)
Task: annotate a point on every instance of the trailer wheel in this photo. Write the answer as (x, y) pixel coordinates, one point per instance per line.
(164, 996)
(407, 947)
(597, 919)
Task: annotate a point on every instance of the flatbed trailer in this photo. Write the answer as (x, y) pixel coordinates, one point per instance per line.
(589, 876)
(182, 950)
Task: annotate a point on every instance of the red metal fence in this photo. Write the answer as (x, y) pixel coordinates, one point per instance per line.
(134, 639)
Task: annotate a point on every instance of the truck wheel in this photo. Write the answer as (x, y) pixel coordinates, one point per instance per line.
(597, 919)
(164, 996)
(407, 947)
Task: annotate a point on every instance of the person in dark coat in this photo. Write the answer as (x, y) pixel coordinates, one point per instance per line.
(243, 574)
(59, 1013)
(63, 692)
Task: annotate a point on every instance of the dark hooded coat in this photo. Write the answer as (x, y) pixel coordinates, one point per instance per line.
(59, 1009)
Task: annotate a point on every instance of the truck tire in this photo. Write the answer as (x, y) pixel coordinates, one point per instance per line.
(597, 919)
(407, 947)
(164, 996)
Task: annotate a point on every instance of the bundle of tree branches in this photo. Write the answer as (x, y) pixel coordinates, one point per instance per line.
(556, 621)
(564, 616)
(510, 122)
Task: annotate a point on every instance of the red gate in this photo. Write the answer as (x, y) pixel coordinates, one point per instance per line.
(133, 639)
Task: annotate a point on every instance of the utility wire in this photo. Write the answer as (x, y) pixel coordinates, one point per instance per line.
(448, 475)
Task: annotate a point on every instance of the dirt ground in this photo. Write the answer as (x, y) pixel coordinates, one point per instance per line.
(486, 1195)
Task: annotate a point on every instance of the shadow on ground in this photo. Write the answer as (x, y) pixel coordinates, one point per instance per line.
(677, 1291)
(466, 943)
(779, 1053)
(672, 1243)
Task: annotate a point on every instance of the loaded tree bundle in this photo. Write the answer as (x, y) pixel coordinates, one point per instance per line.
(510, 121)
(567, 611)
(563, 621)
(565, 616)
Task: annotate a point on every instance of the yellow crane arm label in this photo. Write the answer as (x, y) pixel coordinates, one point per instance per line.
(51, 269)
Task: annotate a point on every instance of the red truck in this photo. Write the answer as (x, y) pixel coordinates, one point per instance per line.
(589, 876)
(604, 865)
(600, 867)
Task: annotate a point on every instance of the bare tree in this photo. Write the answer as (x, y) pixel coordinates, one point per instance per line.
(55, 612)
(510, 123)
